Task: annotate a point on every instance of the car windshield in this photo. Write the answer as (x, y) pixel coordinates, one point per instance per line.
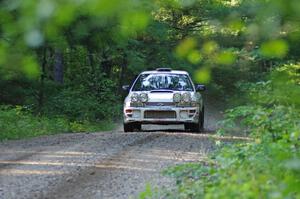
(175, 82)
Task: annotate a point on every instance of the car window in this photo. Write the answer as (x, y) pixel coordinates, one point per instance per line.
(175, 82)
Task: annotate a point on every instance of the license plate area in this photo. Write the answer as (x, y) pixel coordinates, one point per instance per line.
(160, 114)
(164, 109)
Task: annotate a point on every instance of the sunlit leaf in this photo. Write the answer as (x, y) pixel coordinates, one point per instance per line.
(236, 25)
(133, 22)
(226, 58)
(30, 67)
(186, 46)
(210, 47)
(65, 14)
(203, 75)
(274, 48)
(195, 57)
(147, 193)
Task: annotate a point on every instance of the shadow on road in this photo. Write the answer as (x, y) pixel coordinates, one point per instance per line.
(172, 129)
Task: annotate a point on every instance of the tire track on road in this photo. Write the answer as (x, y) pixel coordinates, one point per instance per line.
(67, 187)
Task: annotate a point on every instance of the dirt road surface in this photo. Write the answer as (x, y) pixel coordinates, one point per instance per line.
(99, 165)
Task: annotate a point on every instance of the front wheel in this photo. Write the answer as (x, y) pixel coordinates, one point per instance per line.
(130, 127)
(196, 127)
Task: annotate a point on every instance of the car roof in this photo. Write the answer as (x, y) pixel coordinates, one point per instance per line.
(165, 72)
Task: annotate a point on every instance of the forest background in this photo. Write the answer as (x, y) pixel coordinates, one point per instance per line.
(62, 65)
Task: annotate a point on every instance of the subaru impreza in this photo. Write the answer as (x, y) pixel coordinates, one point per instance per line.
(163, 96)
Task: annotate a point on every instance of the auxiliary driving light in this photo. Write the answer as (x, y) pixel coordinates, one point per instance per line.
(143, 97)
(134, 97)
(176, 97)
(186, 97)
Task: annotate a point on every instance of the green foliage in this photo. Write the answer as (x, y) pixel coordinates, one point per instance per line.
(266, 167)
(79, 104)
(34, 23)
(147, 193)
(68, 59)
(249, 170)
(17, 123)
(277, 48)
(245, 50)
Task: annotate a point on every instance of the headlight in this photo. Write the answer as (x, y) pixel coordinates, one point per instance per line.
(186, 97)
(144, 97)
(134, 97)
(176, 97)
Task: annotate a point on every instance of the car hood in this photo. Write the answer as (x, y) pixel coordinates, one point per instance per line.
(160, 96)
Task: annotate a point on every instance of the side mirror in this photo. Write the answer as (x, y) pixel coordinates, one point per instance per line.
(200, 87)
(126, 88)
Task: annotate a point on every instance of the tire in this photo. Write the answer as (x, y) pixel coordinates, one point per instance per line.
(138, 126)
(198, 127)
(188, 127)
(202, 119)
(130, 127)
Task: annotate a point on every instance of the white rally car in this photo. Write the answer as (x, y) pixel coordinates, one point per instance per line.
(164, 96)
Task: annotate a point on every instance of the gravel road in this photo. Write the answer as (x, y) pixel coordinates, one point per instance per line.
(98, 165)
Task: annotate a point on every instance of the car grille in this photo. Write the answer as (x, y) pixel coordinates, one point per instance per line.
(159, 114)
(160, 104)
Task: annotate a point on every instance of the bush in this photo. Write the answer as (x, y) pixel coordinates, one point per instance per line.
(17, 123)
(266, 167)
(79, 104)
(249, 170)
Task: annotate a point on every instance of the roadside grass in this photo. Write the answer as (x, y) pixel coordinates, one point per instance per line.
(15, 123)
(238, 170)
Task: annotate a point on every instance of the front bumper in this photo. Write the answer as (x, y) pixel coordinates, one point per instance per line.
(161, 115)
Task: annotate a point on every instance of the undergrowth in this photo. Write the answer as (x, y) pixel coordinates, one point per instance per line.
(17, 123)
(268, 166)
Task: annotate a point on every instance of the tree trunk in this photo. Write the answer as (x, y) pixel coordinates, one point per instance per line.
(58, 67)
(41, 93)
(106, 64)
(122, 73)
